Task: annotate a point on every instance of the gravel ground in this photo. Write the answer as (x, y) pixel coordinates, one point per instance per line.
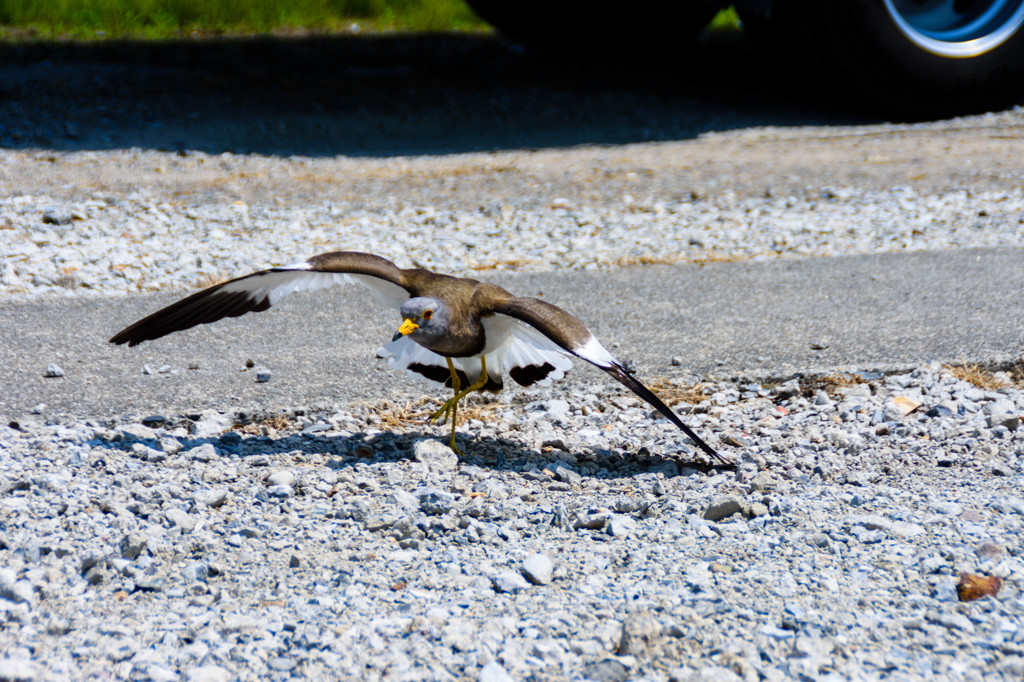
(580, 537)
(113, 245)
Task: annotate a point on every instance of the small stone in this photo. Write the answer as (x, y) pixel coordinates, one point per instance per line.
(208, 673)
(138, 431)
(719, 673)
(640, 631)
(595, 521)
(946, 591)
(230, 439)
(905, 529)
(172, 446)
(459, 635)
(263, 376)
(547, 649)
(621, 526)
(283, 477)
(294, 561)
(197, 570)
(147, 453)
(151, 584)
(18, 592)
(132, 545)
(58, 626)
(494, 672)
(434, 502)
(210, 424)
(1010, 421)
(436, 455)
(947, 508)
(57, 215)
(735, 440)
(820, 540)
(280, 491)
(318, 427)
(558, 408)
(509, 582)
(181, 519)
(96, 575)
(203, 453)
(940, 410)
(90, 559)
(567, 475)
(786, 390)
(723, 508)
(17, 669)
(991, 550)
(53, 370)
(214, 498)
(538, 569)
(755, 509)
(608, 670)
(281, 664)
(763, 482)
(158, 673)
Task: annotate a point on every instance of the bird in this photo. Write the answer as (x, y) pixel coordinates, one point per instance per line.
(456, 331)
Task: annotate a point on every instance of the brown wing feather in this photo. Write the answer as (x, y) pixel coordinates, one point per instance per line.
(571, 334)
(358, 263)
(561, 327)
(253, 293)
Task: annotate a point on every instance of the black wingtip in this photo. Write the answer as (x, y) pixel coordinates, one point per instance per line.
(202, 307)
(122, 337)
(120, 341)
(630, 382)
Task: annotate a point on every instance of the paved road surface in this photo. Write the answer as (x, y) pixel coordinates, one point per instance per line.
(724, 318)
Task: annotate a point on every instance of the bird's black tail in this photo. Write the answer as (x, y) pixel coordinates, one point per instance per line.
(630, 382)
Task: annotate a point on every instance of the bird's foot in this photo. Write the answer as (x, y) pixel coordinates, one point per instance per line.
(454, 447)
(446, 409)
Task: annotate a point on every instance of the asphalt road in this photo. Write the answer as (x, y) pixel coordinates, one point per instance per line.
(870, 312)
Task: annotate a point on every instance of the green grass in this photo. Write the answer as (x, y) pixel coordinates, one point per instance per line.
(84, 19)
(725, 21)
(156, 19)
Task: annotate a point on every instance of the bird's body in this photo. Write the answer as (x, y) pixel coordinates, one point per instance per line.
(459, 332)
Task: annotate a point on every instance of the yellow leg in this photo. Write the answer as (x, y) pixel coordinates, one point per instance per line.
(451, 406)
(446, 408)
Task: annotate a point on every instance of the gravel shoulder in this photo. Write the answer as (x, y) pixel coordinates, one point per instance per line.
(793, 277)
(977, 154)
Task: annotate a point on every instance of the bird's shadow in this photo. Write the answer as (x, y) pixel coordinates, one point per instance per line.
(350, 449)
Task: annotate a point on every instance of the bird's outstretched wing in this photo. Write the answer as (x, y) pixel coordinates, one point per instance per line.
(570, 334)
(260, 290)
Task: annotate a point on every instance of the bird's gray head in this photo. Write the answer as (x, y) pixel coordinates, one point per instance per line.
(424, 319)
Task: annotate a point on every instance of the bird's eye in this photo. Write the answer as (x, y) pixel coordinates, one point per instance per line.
(428, 314)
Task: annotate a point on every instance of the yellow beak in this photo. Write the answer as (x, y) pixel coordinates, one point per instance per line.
(407, 326)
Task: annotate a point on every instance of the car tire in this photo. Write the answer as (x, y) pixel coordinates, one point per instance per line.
(598, 28)
(897, 55)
